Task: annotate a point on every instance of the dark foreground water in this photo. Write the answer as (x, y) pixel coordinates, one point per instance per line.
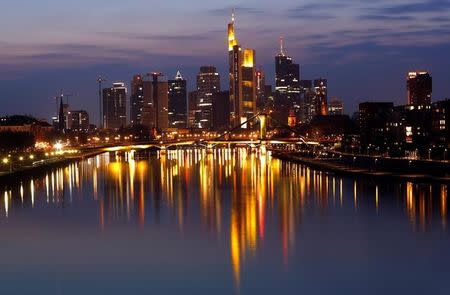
(228, 223)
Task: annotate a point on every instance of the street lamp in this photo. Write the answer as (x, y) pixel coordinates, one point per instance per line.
(6, 161)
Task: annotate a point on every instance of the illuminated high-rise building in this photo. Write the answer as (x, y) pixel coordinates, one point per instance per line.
(114, 106)
(177, 102)
(137, 100)
(307, 95)
(242, 75)
(208, 84)
(160, 98)
(420, 88)
(235, 61)
(321, 97)
(247, 104)
(261, 97)
(287, 85)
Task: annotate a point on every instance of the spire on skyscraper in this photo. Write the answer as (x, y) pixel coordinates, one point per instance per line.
(281, 45)
(178, 76)
(231, 34)
(61, 119)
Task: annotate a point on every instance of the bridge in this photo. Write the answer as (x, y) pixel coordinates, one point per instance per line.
(225, 138)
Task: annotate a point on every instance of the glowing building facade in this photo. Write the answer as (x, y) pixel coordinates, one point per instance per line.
(137, 100)
(114, 106)
(287, 85)
(177, 102)
(208, 84)
(420, 87)
(321, 97)
(242, 75)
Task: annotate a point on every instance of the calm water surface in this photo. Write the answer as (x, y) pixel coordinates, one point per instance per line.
(231, 222)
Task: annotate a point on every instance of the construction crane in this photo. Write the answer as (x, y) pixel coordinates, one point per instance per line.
(100, 80)
(63, 95)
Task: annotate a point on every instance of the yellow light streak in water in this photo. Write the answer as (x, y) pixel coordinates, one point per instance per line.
(6, 203)
(376, 197)
(21, 192)
(410, 203)
(95, 182)
(32, 192)
(142, 170)
(47, 188)
(235, 248)
(444, 206)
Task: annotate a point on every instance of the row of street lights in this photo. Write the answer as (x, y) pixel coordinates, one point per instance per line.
(7, 160)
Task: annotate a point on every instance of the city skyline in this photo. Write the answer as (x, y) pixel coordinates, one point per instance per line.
(225, 147)
(391, 39)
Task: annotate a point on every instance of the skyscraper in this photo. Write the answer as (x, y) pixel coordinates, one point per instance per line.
(208, 83)
(242, 75)
(307, 95)
(287, 85)
(114, 106)
(160, 98)
(234, 60)
(177, 102)
(137, 100)
(149, 101)
(419, 88)
(260, 89)
(321, 97)
(247, 104)
(148, 113)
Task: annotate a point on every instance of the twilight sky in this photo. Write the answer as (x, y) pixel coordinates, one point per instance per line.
(363, 47)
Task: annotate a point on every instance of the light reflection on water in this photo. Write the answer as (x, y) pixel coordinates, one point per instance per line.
(237, 196)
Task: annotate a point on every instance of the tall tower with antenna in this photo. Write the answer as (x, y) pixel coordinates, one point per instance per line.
(242, 75)
(287, 84)
(100, 80)
(235, 62)
(282, 45)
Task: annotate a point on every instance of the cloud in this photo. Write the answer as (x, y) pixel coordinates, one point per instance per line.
(425, 6)
(383, 17)
(440, 19)
(49, 55)
(239, 10)
(152, 37)
(317, 11)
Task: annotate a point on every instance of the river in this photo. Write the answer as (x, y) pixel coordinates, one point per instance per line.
(231, 222)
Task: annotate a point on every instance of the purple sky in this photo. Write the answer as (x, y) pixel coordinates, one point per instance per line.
(363, 47)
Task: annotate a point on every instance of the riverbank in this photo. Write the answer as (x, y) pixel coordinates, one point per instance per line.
(377, 168)
(39, 169)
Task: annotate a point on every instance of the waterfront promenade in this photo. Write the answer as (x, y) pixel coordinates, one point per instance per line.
(372, 166)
